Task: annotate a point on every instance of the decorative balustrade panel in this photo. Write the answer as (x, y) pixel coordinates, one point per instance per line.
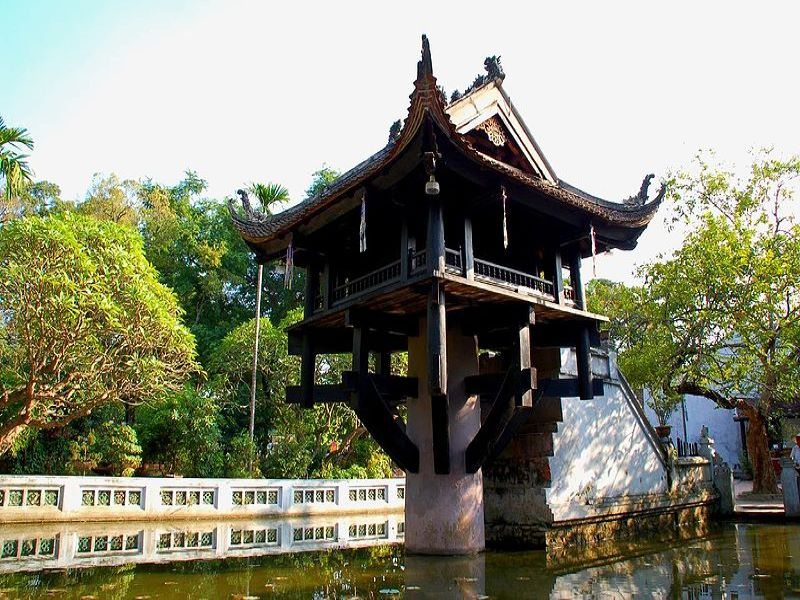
(188, 497)
(177, 541)
(365, 283)
(257, 537)
(418, 261)
(369, 531)
(453, 262)
(29, 548)
(517, 280)
(319, 533)
(256, 497)
(104, 544)
(368, 494)
(112, 497)
(29, 496)
(314, 496)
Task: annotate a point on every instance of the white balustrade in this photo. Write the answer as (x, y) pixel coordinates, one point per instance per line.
(33, 547)
(25, 499)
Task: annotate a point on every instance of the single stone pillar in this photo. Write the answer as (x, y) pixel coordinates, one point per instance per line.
(722, 476)
(790, 482)
(444, 513)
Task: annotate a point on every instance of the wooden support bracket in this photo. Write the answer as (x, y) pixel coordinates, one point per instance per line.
(376, 416)
(499, 426)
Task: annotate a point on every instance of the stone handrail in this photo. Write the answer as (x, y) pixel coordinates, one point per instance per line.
(34, 547)
(27, 499)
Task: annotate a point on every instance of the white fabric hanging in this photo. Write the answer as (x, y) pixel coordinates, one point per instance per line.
(362, 230)
(505, 218)
(287, 274)
(594, 250)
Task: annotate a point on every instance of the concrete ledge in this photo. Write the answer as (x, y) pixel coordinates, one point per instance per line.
(588, 532)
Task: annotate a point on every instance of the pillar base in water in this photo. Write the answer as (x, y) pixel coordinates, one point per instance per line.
(444, 513)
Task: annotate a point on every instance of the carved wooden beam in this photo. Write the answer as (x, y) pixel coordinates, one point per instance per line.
(340, 341)
(322, 394)
(489, 384)
(387, 385)
(382, 322)
(499, 426)
(376, 416)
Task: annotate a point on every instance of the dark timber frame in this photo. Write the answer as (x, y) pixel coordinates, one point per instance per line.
(463, 232)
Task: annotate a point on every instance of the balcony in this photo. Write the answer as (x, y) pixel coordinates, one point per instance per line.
(482, 271)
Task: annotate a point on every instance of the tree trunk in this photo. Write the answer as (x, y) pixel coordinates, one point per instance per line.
(764, 480)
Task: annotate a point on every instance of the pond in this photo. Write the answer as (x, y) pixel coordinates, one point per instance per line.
(732, 561)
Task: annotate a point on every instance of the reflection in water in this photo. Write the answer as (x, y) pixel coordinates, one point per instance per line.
(729, 561)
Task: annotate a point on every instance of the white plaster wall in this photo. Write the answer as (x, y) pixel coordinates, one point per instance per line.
(702, 411)
(601, 452)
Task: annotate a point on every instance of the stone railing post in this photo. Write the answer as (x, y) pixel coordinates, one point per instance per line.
(790, 482)
(722, 477)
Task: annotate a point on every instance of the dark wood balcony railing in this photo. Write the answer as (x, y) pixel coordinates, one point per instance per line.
(418, 261)
(569, 294)
(367, 282)
(484, 271)
(452, 261)
(512, 278)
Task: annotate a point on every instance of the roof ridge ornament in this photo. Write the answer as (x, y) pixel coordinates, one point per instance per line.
(248, 208)
(494, 70)
(425, 64)
(640, 199)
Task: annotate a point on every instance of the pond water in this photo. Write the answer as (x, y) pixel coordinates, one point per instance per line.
(731, 561)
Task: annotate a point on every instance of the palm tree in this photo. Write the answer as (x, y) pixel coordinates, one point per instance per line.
(268, 194)
(13, 166)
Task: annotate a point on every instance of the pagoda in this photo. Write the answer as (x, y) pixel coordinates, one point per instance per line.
(455, 240)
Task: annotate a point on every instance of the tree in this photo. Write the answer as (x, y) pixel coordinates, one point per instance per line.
(182, 433)
(721, 317)
(14, 168)
(268, 194)
(85, 323)
(197, 252)
(113, 200)
(320, 179)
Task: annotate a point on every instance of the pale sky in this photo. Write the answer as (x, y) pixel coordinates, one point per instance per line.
(250, 91)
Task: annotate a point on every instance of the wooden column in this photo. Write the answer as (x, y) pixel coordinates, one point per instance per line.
(383, 365)
(360, 351)
(404, 256)
(327, 285)
(558, 278)
(312, 289)
(435, 236)
(437, 378)
(468, 257)
(576, 281)
(307, 367)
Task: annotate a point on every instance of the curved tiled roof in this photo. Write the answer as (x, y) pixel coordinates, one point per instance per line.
(428, 103)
